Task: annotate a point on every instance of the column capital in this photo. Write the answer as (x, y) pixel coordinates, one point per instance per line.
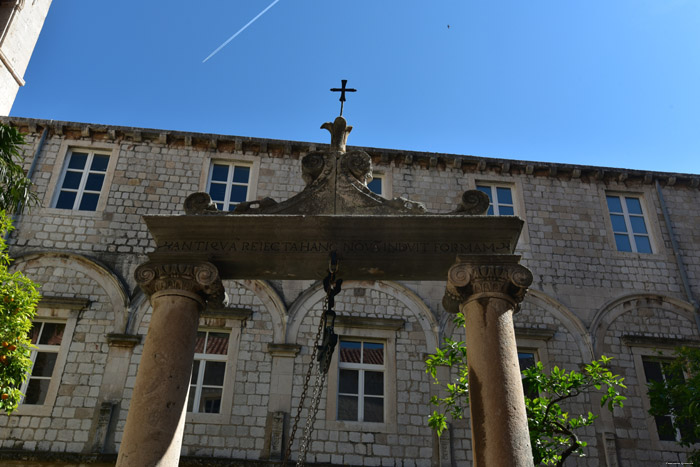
(198, 279)
(476, 276)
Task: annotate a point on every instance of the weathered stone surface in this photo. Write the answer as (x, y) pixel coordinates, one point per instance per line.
(298, 247)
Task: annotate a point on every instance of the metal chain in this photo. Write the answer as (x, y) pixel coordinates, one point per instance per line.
(306, 387)
(332, 288)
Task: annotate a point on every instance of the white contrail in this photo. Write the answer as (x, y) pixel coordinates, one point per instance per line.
(240, 31)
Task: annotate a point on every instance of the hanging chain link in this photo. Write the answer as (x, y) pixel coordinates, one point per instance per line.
(332, 288)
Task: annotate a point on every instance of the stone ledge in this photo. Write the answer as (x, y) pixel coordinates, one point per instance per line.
(642, 340)
(123, 340)
(283, 350)
(65, 303)
(391, 324)
(544, 334)
(228, 313)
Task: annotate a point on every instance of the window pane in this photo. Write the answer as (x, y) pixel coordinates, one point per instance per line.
(89, 202)
(665, 428)
(504, 195)
(618, 223)
(238, 193)
(195, 375)
(210, 400)
(526, 360)
(643, 244)
(190, 398)
(77, 160)
(373, 354)
(44, 363)
(652, 370)
(99, 163)
(66, 200)
(241, 174)
(374, 383)
(614, 204)
(490, 211)
(506, 210)
(36, 391)
(347, 407)
(634, 206)
(219, 172)
(375, 186)
(214, 373)
(487, 190)
(348, 382)
(34, 332)
(623, 242)
(217, 344)
(52, 334)
(374, 409)
(217, 191)
(94, 182)
(638, 225)
(350, 351)
(72, 180)
(199, 342)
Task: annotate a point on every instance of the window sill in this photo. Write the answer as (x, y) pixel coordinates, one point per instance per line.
(364, 427)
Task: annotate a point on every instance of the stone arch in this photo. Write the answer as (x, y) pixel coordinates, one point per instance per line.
(629, 303)
(315, 293)
(115, 288)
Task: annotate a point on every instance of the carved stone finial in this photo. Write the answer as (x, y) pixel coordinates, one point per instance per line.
(199, 203)
(339, 131)
(201, 279)
(473, 203)
(476, 277)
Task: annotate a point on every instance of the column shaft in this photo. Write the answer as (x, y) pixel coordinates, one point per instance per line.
(156, 420)
(500, 436)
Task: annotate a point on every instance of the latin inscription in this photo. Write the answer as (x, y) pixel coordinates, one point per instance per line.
(348, 247)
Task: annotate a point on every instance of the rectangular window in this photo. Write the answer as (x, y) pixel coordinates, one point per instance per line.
(500, 199)
(628, 224)
(228, 184)
(208, 372)
(376, 185)
(656, 369)
(527, 359)
(81, 181)
(47, 338)
(361, 381)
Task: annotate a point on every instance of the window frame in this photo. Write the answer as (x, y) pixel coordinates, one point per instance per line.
(60, 167)
(54, 310)
(493, 199)
(229, 182)
(516, 192)
(378, 334)
(628, 225)
(230, 321)
(362, 369)
(641, 349)
(206, 357)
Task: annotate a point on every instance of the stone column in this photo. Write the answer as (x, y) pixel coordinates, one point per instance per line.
(488, 290)
(156, 420)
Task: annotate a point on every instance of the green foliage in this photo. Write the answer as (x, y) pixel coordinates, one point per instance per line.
(15, 187)
(18, 301)
(552, 430)
(679, 396)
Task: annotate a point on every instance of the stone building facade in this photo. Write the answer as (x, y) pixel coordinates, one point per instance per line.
(614, 254)
(20, 24)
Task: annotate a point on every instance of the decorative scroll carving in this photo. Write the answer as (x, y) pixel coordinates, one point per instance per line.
(312, 166)
(198, 278)
(486, 275)
(474, 203)
(357, 164)
(199, 203)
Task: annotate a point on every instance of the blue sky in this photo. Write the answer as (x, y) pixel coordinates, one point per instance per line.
(596, 82)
